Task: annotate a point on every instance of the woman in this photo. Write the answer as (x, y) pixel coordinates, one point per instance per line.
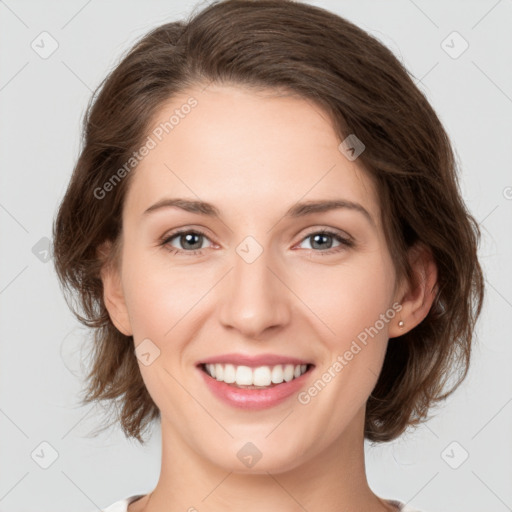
(265, 230)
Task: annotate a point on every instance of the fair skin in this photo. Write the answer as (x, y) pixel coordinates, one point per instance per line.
(253, 156)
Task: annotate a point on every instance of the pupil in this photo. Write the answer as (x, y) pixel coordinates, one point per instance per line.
(316, 237)
(188, 238)
(317, 240)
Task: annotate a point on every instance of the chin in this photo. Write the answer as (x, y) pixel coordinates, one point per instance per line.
(248, 459)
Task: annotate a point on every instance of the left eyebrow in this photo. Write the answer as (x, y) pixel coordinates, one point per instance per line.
(310, 207)
(297, 210)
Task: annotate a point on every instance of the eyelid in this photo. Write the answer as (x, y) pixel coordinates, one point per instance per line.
(329, 230)
(343, 237)
(202, 231)
(173, 233)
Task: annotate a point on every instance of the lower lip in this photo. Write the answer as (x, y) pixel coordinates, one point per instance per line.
(254, 399)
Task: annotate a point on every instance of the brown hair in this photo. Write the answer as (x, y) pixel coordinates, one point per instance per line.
(308, 51)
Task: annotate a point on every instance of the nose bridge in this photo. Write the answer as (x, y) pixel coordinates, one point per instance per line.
(254, 299)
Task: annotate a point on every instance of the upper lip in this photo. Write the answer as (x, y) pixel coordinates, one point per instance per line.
(253, 361)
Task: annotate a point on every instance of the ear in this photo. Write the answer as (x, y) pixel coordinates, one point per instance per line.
(113, 294)
(416, 297)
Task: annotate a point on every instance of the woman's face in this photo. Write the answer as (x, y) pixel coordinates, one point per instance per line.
(259, 287)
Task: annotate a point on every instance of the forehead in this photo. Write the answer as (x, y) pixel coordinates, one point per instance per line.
(254, 153)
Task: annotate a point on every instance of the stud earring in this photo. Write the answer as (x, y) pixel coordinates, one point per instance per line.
(401, 323)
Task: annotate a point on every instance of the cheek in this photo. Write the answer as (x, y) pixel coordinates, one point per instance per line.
(348, 298)
(158, 297)
(149, 307)
(356, 305)
(360, 319)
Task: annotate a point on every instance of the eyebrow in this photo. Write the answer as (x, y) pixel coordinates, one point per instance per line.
(296, 211)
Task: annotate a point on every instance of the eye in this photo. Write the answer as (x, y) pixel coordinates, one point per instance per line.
(190, 240)
(320, 240)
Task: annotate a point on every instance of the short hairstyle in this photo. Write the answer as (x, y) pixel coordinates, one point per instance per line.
(282, 45)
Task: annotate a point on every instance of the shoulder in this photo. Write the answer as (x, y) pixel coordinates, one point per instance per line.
(122, 505)
(402, 507)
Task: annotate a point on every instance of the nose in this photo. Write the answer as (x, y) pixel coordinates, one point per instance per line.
(255, 297)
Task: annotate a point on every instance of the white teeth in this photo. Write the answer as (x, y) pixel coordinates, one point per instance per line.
(229, 374)
(243, 376)
(277, 374)
(261, 376)
(288, 372)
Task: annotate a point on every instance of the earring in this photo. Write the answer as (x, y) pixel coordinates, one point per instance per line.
(401, 323)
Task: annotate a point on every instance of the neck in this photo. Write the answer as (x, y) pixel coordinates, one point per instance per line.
(333, 480)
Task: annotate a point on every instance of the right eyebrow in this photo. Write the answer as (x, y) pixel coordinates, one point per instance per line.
(297, 210)
(192, 206)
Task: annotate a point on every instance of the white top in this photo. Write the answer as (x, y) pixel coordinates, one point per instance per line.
(122, 505)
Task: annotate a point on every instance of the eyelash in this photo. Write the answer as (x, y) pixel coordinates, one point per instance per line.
(345, 242)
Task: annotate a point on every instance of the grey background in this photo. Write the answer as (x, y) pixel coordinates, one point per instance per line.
(42, 102)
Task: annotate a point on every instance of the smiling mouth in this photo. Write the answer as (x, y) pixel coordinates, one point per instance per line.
(260, 377)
